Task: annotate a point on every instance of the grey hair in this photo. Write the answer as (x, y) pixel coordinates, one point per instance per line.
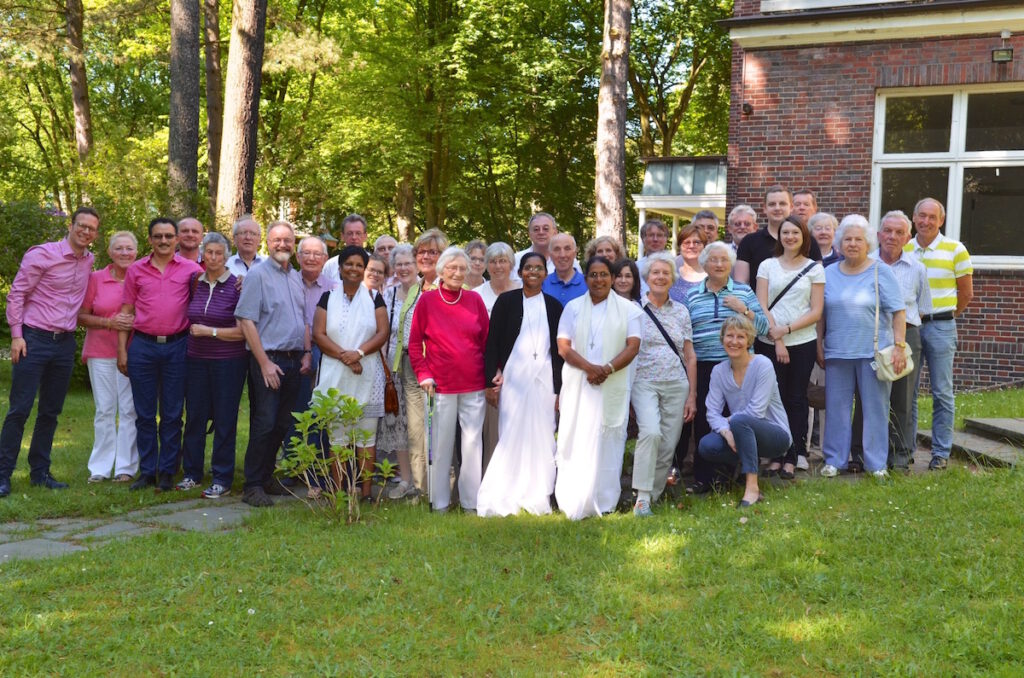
(498, 250)
(123, 234)
(448, 255)
(823, 216)
(857, 221)
(705, 253)
(352, 218)
(542, 214)
(705, 214)
(645, 268)
(242, 220)
(651, 224)
(376, 243)
(400, 249)
(742, 209)
(215, 238)
(899, 216)
(564, 234)
(475, 245)
(286, 224)
(312, 238)
(942, 208)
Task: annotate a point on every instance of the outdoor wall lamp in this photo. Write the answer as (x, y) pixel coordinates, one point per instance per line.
(1004, 54)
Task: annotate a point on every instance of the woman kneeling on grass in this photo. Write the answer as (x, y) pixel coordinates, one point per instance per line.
(758, 426)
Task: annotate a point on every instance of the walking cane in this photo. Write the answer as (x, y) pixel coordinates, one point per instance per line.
(430, 447)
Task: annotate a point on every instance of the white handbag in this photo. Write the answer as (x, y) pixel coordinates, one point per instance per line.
(883, 358)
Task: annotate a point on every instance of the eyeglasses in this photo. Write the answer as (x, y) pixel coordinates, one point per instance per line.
(597, 275)
(716, 261)
(247, 234)
(86, 228)
(428, 253)
(535, 269)
(163, 236)
(477, 260)
(312, 255)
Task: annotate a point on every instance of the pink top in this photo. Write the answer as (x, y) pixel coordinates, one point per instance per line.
(446, 342)
(48, 289)
(160, 299)
(103, 298)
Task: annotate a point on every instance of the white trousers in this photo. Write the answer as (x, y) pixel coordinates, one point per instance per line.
(114, 446)
(468, 410)
(659, 416)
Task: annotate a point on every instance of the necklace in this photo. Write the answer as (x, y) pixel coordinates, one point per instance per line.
(595, 328)
(450, 303)
(529, 327)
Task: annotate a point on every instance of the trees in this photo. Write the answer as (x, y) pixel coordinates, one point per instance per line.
(610, 151)
(183, 118)
(214, 96)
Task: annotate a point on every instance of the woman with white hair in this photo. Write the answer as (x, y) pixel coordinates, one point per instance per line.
(500, 258)
(861, 294)
(823, 229)
(446, 349)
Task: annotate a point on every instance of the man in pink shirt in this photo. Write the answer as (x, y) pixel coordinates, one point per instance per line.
(42, 310)
(156, 291)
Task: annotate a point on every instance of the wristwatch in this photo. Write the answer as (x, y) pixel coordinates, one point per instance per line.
(360, 352)
(901, 344)
(214, 332)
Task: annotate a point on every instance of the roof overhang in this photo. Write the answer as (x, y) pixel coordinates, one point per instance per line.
(684, 206)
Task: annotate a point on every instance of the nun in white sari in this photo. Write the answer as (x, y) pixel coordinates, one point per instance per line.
(350, 327)
(598, 337)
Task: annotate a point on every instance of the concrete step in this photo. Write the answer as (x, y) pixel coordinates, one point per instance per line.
(978, 449)
(1005, 429)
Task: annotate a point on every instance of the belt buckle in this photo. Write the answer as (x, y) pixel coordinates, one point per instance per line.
(161, 339)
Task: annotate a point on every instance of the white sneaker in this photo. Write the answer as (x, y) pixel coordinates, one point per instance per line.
(880, 474)
(829, 471)
(186, 484)
(801, 462)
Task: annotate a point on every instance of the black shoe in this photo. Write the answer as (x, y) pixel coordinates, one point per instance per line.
(166, 483)
(5, 488)
(50, 483)
(142, 482)
(745, 504)
(276, 488)
(855, 466)
(699, 487)
(255, 496)
(938, 464)
(786, 475)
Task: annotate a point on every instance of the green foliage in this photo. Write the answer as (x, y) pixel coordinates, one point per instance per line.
(22, 225)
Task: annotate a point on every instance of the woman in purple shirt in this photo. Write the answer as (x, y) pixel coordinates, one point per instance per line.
(216, 365)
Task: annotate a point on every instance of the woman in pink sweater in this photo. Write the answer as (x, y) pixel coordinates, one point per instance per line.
(446, 350)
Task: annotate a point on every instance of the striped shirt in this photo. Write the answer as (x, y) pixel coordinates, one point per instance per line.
(946, 260)
(708, 312)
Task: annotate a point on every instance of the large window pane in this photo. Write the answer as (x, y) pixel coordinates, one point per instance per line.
(918, 124)
(990, 222)
(995, 122)
(902, 188)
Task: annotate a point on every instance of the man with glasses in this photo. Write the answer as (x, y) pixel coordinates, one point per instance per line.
(353, 232)
(156, 291)
(42, 310)
(246, 234)
(566, 282)
(741, 222)
(706, 223)
(542, 229)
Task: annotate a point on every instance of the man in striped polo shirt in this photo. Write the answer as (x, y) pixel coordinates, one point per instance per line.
(950, 277)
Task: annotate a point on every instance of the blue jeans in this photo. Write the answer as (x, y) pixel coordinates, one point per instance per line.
(844, 377)
(44, 369)
(754, 438)
(270, 415)
(938, 345)
(213, 388)
(157, 373)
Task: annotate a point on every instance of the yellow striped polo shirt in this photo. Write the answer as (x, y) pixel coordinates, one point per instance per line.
(945, 260)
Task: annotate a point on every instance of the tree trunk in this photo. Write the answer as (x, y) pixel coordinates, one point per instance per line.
(610, 175)
(214, 96)
(241, 111)
(405, 204)
(183, 121)
(75, 16)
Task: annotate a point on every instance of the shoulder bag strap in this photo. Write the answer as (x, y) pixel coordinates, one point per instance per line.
(791, 283)
(661, 328)
(877, 302)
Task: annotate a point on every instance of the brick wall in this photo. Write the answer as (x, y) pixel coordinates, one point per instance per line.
(812, 126)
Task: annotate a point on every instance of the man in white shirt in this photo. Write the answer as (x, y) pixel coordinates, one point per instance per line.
(247, 236)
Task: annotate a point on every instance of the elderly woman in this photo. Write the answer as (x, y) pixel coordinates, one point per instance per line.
(604, 246)
(392, 433)
(791, 287)
(598, 337)
(823, 229)
(522, 361)
(691, 273)
(114, 450)
(499, 258)
(450, 325)
(710, 304)
(426, 250)
(626, 280)
(756, 425)
(350, 327)
(854, 312)
(661, 393)
(476, 250)
(216, 363)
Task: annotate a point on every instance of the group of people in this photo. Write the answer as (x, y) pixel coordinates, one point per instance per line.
(516, 372)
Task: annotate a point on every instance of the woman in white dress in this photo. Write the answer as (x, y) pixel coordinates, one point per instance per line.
(598, 337)
(521, 359)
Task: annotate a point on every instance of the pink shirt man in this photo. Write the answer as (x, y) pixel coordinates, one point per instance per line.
(49, 288)
(160, 299)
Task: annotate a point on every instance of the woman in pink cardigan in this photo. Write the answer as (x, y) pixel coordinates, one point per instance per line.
(446, 350)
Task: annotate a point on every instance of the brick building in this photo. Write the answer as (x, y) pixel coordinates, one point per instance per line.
(875, 105)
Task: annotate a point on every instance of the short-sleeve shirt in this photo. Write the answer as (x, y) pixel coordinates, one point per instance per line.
(594, 353)
(656, 360)
(565, 291)
(272, 299)
(850, 311)
(213, 304)
(797, 300)
(102, 298)
(759, 246)
(945, 260)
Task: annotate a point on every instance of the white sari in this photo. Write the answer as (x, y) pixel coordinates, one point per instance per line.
(350, 324)
(521, 473)
(592, 425)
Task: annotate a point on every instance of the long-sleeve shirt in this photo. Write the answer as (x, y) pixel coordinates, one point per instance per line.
(708, 312)
(447, 340)
(757, 397)
(49, 288)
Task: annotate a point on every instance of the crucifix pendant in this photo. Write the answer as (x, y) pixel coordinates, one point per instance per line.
(534, 355)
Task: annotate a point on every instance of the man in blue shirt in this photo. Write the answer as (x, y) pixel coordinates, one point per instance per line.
(566, 283)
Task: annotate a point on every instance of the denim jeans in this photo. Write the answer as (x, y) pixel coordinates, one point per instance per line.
(157, 373)
(44, 369)
(214, 388)
(270, 415)
(755, 438)
(938, 345)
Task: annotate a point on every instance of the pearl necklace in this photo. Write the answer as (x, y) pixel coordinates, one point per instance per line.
(440, 290)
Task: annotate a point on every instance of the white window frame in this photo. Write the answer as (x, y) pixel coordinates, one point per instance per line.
(956, 159)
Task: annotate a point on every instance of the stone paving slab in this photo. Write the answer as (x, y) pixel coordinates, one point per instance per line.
(31, 549)
(121, 528)
(979, 450)
(205, 519)
(1007, 429)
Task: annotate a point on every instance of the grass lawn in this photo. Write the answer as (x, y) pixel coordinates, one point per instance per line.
(916, 576)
